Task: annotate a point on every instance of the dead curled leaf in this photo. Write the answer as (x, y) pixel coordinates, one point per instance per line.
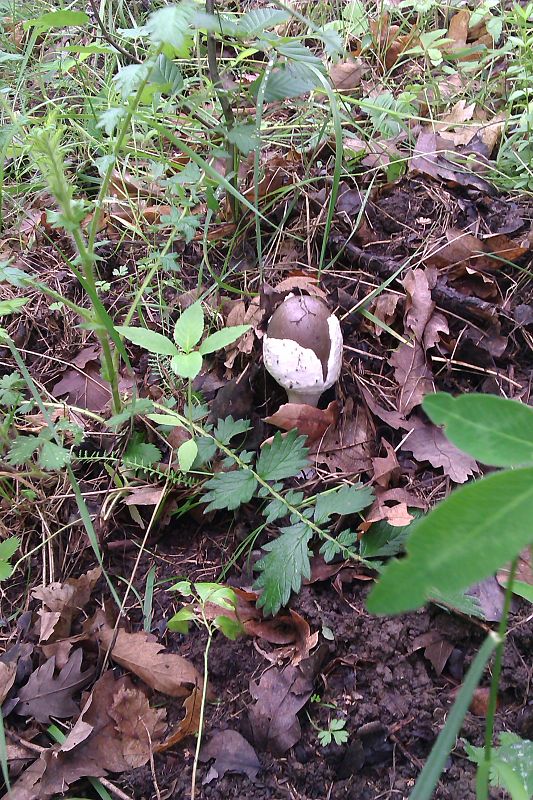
(347, 446)
(428, 443)
(189, 725)
(464, 252)
(437, 649)
(346, 75)
(62, 601)
(433, 157)
(232, 753)
(84, 386)
(115, 732)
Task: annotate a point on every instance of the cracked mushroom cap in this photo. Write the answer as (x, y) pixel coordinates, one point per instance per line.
(302, 348)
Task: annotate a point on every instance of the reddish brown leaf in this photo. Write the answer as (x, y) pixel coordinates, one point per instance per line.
(436, 649)
(308, 421)
(432, 157)
(189, 725)
(428, 443)
(346, 75)
(62, 602)
(346, 447)
(386, 469)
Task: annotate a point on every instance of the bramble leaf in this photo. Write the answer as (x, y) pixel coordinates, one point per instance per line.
(284, 458)
(230, 489)
(283, 567)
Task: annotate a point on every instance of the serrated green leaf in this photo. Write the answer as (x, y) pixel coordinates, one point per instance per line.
(129, 78)
(12, 306)
(230, 489)
(189, 327)
(466, 538)
(167, 75)
(8, 547)
(57, 19)
(187, 453)
(22, 449)
(220, 339)
(187, 365)
(245, 137)
(227, 428)
(331, 548)
(284, 458)
(52, 456)
(151, 340)
(277, 508)
(110, 119)
(493, 430)
(257, 20)
(513, 751)
(141, 405)
(141, 453)
(343, 501)
(383, 540)
(170, 26)
(460, 601)
(6, 570)
(297, 51)
(283, 568)
(292, 80)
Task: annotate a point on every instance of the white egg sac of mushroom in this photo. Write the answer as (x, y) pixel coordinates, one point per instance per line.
(302, 348)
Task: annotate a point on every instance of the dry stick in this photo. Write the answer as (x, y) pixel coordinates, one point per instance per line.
(107, 36)
(212, 65)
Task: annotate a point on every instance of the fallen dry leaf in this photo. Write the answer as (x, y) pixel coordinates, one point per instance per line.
(279, 696)
(45, 696)
(15, 669)
(62, 602)
(437, 649)
(346, 447)
(428, 443)
(524, 571)
(392, 505)
(308, 420)
(432, 156)
(84, 387)
(346, 75)
(189, 725)
(424, 325)
(141, 654)
(386, 469)
(232, 753)
(8, 673)
(115, 732)
(240, 315)
(464, 252)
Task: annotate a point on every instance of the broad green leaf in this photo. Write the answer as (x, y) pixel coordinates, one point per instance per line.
(230, 489)
(151, 340)
(57, 19)
(283, 567)
(130, 77)
(187, 365)
(227, 428)
(355, 16)
(220, 339)
(523, 589)
(492, 429)
(254, 22)
(284, 458)
(292, 80)
(22, 449)
(383, 540)
(187, 452)
(245, 137)
(296, 51)
(182, 587)
(52, 456)
(12, 306)
(170, 26)
(466, 538)
(345, 500)
(180, 621)
(189, 327)
(110, 118)
(8, 547)
(231, 628)
(140, 405)
(167, 75)
(222, 596)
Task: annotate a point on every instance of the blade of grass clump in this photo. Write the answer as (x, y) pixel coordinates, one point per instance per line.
(3, 754)
(428, 778)
(148, 600)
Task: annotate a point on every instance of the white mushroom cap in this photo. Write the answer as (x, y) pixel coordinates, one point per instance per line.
(302, 348)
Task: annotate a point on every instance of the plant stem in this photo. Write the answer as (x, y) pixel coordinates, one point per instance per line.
(212, 66)
(483, 773)
(202, 706)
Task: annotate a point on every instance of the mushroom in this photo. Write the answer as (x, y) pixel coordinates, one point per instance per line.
(302, 348)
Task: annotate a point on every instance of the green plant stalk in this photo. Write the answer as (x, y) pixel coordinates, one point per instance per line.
(203, 702)
(3, 754)
(483, 772)
(257, 157)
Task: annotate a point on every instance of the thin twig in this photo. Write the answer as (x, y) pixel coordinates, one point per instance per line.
(107, 36)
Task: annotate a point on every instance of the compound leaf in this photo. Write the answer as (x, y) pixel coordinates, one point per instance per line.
(283, 567)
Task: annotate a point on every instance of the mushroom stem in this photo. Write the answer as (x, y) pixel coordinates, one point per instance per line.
(308, 398)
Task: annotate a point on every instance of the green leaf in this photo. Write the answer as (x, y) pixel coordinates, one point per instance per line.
(383, 540)
(245, 137)
(129, 78)
(12, 306)
(284, 458)
(277, 508)
(492, 429)
(330, 549)
(170, 26)
(167, 75)
(182, 587)
(8, 548)
(189, 327)
(22, 449)
(230, 489)
(110, 119)
(187, 365)
(222, 596)
(139, 453)
(343, 501)
(57, 19)
(220, 339)
(514, 752)
(166, 419)
(466, 538)
(139, 405)
(6, 570)
(523, 589)
(52, 456)
(180, 621)
(283, 567)
(187, 452)
(459, 601)
(231, 628)
(254, 22)
(227, 428)
(151, 340)
(356, 17)
(292, 80)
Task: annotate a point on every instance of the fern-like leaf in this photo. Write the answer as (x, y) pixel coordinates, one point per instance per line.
(283, 567)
